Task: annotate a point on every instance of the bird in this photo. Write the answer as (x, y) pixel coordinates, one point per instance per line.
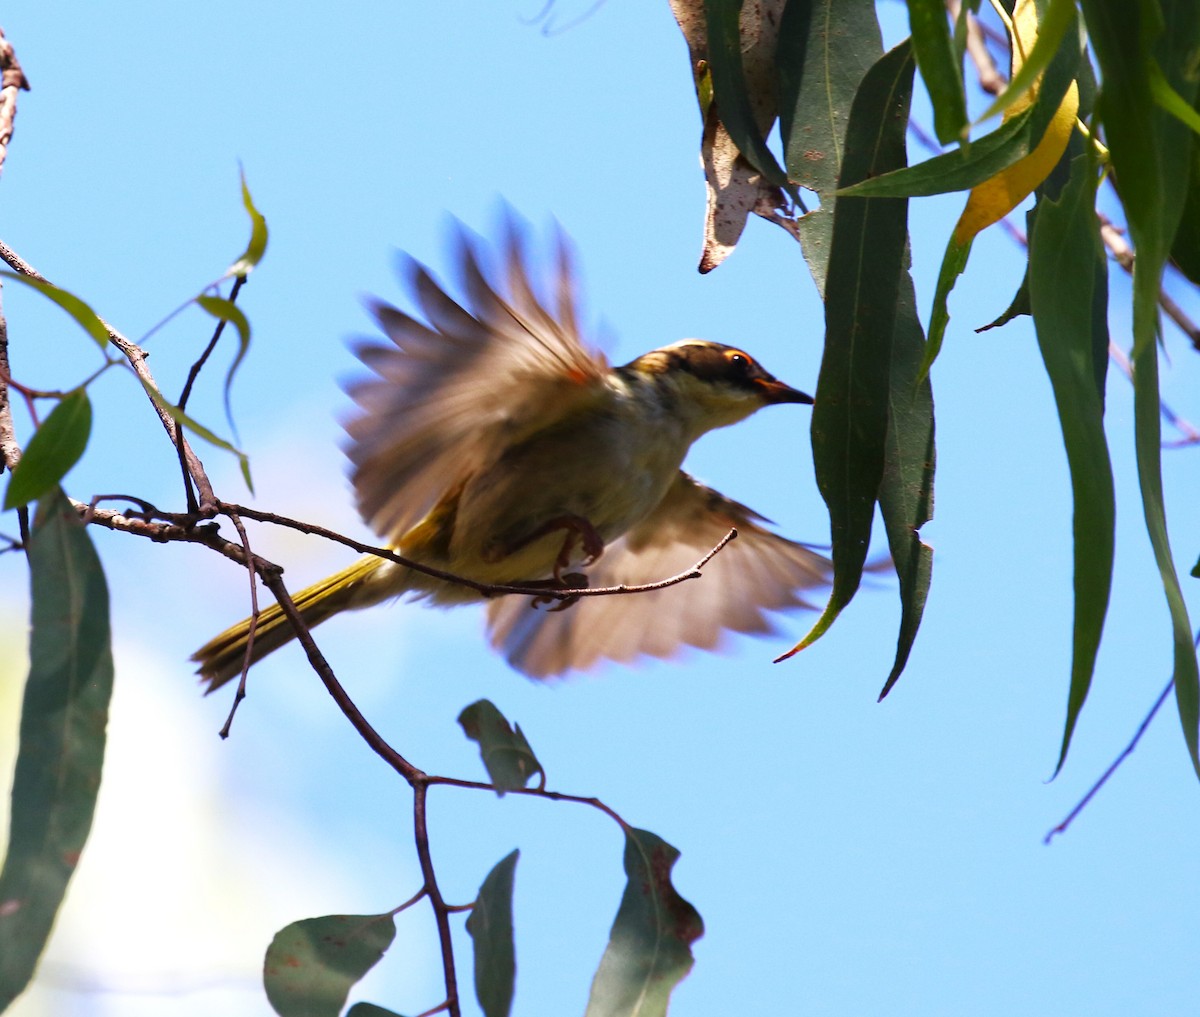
(492, 441)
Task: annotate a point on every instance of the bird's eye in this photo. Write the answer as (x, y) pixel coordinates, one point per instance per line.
(739, 363)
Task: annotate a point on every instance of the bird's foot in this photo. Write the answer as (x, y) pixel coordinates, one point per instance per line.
(569, 580)
(579, 532)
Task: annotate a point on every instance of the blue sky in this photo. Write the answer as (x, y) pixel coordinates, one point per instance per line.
(847, 857)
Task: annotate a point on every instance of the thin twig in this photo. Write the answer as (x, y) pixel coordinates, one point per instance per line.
(533, 792)
(12, 81)
(989, 76)
(252, 575)
(193, 374)
(416, 778)
(1137, 737)
(441, 912)
(136, 357)
(10, 449)
(486, 589)
(1118, 246)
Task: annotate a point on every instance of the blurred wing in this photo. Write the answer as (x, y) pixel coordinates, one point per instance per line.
(756, 573)
(453, 390)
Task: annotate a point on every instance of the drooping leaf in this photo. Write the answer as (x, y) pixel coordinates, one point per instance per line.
(62, 735)
(506, 754)
(850, 418)
(735, 187)
(55, 447)
(1185, 250)
(490, 924)
(227, 310)
(312, 964)
(1018, 306)
(954, 263)
(88, 320)
(940, 64)
(1064, 254)
(825, 48)
(257, 246)
(1125, 37)
(730, 91)
(180, 417)
(906, 490)
(649, 947)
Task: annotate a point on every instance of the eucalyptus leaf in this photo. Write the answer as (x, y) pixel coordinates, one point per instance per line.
(490, 925)
(311, 965)
(60, 754)
(649, 948)
(850, 418)
(55, 447)
(506, 754)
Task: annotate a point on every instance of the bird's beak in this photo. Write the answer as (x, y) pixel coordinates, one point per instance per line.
(775, 391)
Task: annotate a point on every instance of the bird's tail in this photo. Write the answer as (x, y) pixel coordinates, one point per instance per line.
(222, 659)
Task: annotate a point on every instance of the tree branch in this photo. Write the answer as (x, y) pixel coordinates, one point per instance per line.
(12, 81)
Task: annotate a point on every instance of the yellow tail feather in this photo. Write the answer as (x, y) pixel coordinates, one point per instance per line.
(222, 659)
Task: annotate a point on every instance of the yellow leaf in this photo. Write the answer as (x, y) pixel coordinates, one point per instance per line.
(992, 200)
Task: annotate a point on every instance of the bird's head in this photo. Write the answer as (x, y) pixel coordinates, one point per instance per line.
(713, 384)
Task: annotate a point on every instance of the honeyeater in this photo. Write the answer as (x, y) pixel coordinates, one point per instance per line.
(493, 442)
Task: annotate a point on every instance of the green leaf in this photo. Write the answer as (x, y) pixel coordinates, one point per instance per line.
(957, 170)
(1125, 37)
(88, 320)
(1018, 307)
(227, 310)
(312, 964)
(1170, 100)
(906, 490)
(1185, 250)
(490, 924)
(649, 947)
(55, 447)
(62, 735)
(257, 246)
(954, 261)
(178, 415)
(1052, 30)
(992, 154)
(369, 1010)
(729, 87)
(850, 418)
(506, 754)
(824, 49)
(940, 64)
(1064, 258)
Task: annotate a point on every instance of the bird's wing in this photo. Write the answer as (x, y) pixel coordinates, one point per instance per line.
(756, 573)
(473, 378)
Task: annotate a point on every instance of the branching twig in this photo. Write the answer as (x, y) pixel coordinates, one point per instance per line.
(12, 81)
(486, 589)
(137, 361)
